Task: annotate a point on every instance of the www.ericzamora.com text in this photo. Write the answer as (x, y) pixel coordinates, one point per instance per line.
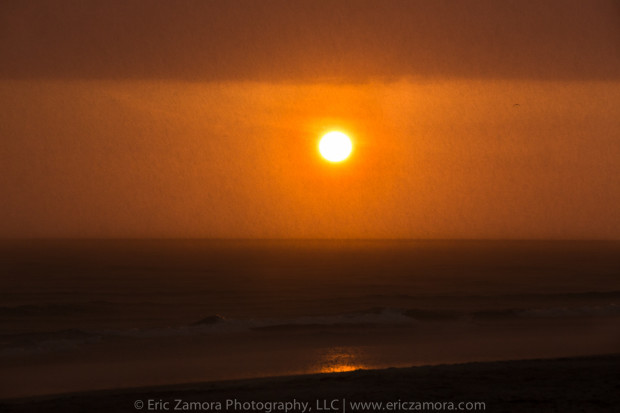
(294, 406)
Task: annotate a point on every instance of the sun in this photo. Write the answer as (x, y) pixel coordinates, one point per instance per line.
(335, 146)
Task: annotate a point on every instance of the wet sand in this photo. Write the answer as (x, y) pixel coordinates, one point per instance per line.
(580, 384)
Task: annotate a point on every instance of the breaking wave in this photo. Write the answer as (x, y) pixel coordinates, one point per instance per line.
(68, 339)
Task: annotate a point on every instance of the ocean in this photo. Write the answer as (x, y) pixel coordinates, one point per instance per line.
(96, 314)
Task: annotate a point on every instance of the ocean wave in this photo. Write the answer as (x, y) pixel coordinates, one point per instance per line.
(69, 309)
(30, 310)
(582, 311)
(587, 295)
(47, 341)
(67, 339)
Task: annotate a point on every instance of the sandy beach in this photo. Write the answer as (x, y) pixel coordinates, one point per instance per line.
(581, 384)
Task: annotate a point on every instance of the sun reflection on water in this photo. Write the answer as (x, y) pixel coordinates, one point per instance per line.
(340, 359)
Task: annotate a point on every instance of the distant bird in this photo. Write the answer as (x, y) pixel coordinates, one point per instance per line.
(517, 105)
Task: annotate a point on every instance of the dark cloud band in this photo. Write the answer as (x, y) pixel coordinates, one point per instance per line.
(309, 40)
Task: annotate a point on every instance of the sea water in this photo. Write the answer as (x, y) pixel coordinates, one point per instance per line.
(94, 314)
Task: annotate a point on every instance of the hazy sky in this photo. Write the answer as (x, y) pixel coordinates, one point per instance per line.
(470, 119)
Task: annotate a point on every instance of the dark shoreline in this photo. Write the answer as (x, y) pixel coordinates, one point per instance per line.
(579, 384)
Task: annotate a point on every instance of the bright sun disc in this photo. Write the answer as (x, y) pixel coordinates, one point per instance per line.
(335, 146)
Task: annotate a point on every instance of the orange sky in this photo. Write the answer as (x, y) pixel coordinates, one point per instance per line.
(186, 119)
